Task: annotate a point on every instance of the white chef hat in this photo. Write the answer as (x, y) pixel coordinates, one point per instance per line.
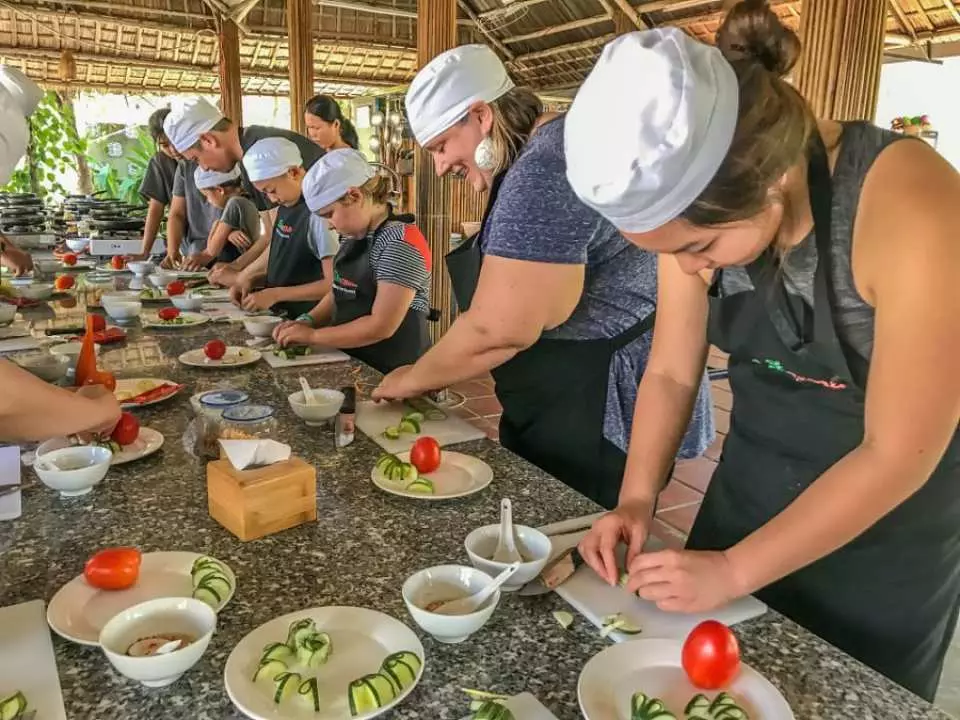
(188, 120)
(270, 158)
(443, 91)
(650, 127)
(14, 135)
(333, 175)
(24, 91)
(206, 179)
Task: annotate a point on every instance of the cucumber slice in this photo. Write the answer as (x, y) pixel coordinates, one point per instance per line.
(409, 426)
(298, 626)
(204, 571)
(422, 485)
(643, 707)
(410, 473)
(13, 706)
(414, 416)
(269, 669)
(218, 583)
(698, 708)
(482, 695)
(277, 651)
(410, 658)
(315, 650)
(564, 618)
(396, 473)
(491, 710)
(731, 713)
(207, 562)
(401, 670)
(386, 461)
(392, 433)
(618, 623)
(370, 692)
(475, 705)
(286, 685)
(310, 693)
(208, 595)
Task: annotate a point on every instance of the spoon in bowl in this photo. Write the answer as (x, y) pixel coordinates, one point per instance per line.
(506, 550)
(308, 397)
(469, 604)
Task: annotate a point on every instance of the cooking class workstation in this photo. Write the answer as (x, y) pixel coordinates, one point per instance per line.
(359, 552)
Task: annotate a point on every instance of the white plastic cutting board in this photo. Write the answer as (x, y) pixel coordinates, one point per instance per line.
(595, 600)
(27, 662)
(317, 356)
(373, 418)
(526, 707)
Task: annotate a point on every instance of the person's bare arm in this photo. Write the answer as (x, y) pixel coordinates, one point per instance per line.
(176, 227)
(267, 220)
(155, 210)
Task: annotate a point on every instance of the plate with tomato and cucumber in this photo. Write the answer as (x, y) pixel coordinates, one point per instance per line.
(173, 318)
(217, 354)
(114, 579)
(698, 678)
(128, 441)
(427, 472)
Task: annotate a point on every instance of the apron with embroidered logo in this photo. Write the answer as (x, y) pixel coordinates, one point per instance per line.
(292, 261)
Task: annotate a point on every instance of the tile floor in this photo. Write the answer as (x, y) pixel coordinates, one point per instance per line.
(680, 500)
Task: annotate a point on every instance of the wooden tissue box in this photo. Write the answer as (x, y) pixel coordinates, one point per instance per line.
(254, 503)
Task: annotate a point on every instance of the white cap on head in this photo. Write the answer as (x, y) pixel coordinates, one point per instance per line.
(188, 120)
(333, 175)
(206, 179)
(443, 91)
(270, 158)
(24, 91)
(14, 135)
(650, 127)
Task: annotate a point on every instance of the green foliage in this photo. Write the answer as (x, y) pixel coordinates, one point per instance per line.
(126, 186)
(54, 146)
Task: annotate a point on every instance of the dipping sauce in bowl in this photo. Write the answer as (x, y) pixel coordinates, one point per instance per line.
(159, 644)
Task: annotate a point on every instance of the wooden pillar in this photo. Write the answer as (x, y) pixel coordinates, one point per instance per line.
(300, 32)
(231, 96)
(839, 71)
(436, 32)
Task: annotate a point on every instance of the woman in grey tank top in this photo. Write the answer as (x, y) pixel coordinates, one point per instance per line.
(823, 258)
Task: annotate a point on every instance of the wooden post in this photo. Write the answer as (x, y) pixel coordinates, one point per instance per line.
(231, 96)
(300, 32)
(839, 71)
(436, 32)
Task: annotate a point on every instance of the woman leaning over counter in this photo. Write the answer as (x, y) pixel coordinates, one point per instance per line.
(553, 300)
(823, 257)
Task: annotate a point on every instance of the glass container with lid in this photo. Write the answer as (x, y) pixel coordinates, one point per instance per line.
(248, 422)
(213, 402)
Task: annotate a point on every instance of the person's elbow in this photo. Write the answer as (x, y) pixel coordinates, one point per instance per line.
(516, 332)
(907, 461)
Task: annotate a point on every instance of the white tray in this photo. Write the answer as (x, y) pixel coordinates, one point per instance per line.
(27, 662)
(317, 356)
(525, 707)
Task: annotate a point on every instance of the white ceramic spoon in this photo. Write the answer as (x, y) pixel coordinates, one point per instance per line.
(464, 606)
(308, 397)
(506, 550)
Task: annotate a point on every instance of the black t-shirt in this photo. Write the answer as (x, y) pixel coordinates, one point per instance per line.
(309, 151)
(157, 183)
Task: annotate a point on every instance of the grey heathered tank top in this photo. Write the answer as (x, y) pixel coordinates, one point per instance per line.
(860, 144)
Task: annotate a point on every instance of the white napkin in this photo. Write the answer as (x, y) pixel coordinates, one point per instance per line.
(18, 343)
(10, 475)
(244, 454)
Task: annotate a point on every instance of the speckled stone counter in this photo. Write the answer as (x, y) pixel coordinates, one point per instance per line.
(363, 546)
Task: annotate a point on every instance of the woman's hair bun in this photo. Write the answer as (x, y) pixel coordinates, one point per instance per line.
(752, 32)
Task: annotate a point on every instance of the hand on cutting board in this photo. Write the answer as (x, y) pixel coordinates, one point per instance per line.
(260, 300)
(293, 333)
(395, 387)
(629, 523)
(688, 581)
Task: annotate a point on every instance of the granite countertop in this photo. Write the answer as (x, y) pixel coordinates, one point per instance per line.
(360, 550)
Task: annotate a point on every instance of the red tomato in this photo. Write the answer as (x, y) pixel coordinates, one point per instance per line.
(99, 322)
(215, 349)
(711, 655)
(177, 287)
(69, 259)
(425, 455)
(127, 430)
(64, 282)
(168, 314)
(113, 569)
(118, 262)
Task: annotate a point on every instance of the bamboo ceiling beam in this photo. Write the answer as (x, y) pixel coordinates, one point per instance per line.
(634, 16)
(903, 20)
(505, 52)
(952, 7)
(571, 47)
(386, 10)
(564, 27)
(518, 5)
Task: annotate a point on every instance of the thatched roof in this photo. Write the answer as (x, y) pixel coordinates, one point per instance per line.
(166, 46)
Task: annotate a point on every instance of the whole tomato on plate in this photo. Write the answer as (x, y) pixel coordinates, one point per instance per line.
(425, 455)
(64, 282)
(215, 349)
(168, 314)
(69, 259)
(99, 322)
(127, 430)
(711, 655)
(113, 569)
(177, 287)
(118, 262)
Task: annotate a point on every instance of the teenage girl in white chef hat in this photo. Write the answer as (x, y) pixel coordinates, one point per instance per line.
(823, 257)
(552, 299)
(31, 409)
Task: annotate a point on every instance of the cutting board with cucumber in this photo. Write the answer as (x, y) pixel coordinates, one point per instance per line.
(525, 707)
(396, 426)
(29, 680)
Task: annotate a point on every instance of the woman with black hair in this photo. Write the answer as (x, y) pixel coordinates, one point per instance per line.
(157, 185)
(327, 126)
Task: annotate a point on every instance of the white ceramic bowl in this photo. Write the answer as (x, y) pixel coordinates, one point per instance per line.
(47, 266)
(123, 312)
(7, 313)
(71, 351)
(328, 404)
(161, 278)
(533, 545)
(73, 470)
(186, 302)
(36, 291)
(261, 326)
(164, 616)
(120, 295)
(78, 244)
(21, 282)
(44, 365)
(442, 583)
(141, 267)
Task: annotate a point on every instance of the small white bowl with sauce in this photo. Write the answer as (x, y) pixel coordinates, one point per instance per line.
(534, 547)
(74, 470)
(431, 587)
(130, 639)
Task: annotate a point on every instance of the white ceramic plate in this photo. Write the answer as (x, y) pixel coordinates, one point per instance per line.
(458, 476)
(190, 274)
(212, 294)
(234, 357)
(131, 387)
(361, 640)
(191, 319)
(108, 268)
(78, 611)
(609, 680)
(148, 442)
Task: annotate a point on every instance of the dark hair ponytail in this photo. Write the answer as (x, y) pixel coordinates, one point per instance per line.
(155, 123)
(328, 110)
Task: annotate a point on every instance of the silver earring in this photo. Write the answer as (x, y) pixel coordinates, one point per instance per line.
(483, 156)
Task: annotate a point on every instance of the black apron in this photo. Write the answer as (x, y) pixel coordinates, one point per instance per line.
(354, 292)
(554, 393)
(890, 597)
(292, 261)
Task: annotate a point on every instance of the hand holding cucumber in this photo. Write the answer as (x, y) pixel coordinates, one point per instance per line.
(628, 523)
